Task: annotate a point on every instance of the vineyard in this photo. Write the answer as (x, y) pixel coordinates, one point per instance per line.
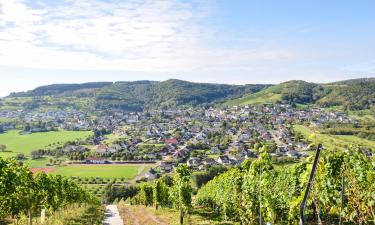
(23, 194)
(257, 192)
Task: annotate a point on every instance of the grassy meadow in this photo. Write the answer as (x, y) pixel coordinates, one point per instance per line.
(127, 171)
(17, 143)
(334, 141)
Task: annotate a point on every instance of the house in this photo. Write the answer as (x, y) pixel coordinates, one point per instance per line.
(293, 154)
(209, 162)
(266, 136)
(94, 160)
(223, 160)
(248, 154)
(215, 150)
(101, 148)
(181, 153)
(200, 137)
(151, 175)
(193, 162)
(171, 148)
(236, 159)
(171, 141)
(166, 167)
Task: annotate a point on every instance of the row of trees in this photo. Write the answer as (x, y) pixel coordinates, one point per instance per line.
(22, 193)
(344, 189)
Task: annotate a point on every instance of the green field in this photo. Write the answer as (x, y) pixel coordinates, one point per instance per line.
(17, 143)
(334, 141)
(37, 163)
(264, 96)
(128, 171)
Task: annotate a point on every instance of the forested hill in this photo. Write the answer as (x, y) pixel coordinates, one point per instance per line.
(355, 94)
(138, 95)
(62, 89)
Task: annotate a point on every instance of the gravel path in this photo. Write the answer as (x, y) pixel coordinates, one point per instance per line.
(112, 216)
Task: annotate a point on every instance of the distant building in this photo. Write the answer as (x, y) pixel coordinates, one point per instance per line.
(94, 160)
(171, 141)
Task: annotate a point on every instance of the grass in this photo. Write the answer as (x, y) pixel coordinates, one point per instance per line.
(37, 163)
(148, 215)
(334, 141)
(24, 144)
(127, 171)
(73, 214)
(267, 95)
(213, 156)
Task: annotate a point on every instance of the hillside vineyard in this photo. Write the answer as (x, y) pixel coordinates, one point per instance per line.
(178, 152)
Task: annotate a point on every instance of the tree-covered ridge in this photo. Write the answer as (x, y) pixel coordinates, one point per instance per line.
(357, 94)
(170, 93)
(58, 89)
(352, 94)
(138, 95)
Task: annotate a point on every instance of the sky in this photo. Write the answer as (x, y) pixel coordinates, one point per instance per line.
(218, 41)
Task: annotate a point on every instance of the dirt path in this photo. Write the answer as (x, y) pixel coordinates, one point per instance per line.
(138, 215)
(112, 216)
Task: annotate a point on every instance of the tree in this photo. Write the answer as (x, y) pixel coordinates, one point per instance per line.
(3, 147)
(181, 190)
(160, 194)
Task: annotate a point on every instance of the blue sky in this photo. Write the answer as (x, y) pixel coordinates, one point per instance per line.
(236, 41)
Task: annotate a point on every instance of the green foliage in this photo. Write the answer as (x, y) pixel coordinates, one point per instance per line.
(132, 96)
(171, 93)
(181, 190)
(26, 143)
(201, 178)
(223, 193)
(160, 194)
(350, 95)
(258, 189)
(146, 194)
(21, 192)
(113, 193)
(57, 89)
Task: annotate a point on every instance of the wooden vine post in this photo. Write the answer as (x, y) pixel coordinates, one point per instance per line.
(309, 184)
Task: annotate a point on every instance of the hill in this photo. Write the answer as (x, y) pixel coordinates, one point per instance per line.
(170, 93)
(357, 94)
(138, 95)
(291, 91)
(61, 89)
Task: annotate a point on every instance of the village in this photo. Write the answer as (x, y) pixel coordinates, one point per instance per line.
(199, 137)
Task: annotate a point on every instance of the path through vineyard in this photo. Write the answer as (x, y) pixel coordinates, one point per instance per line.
(139, 215)
(112, 216)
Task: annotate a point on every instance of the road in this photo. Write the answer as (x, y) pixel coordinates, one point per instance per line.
(112, 216)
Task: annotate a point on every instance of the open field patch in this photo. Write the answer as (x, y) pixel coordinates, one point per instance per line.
(334, 141)
(127, 171)
(17, 143)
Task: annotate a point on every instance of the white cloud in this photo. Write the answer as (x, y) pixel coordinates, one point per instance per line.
(135, 35)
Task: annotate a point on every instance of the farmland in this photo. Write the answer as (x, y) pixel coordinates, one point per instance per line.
(17, 143)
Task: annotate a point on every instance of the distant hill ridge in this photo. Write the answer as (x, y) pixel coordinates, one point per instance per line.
(138, 95)
(353, 94)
